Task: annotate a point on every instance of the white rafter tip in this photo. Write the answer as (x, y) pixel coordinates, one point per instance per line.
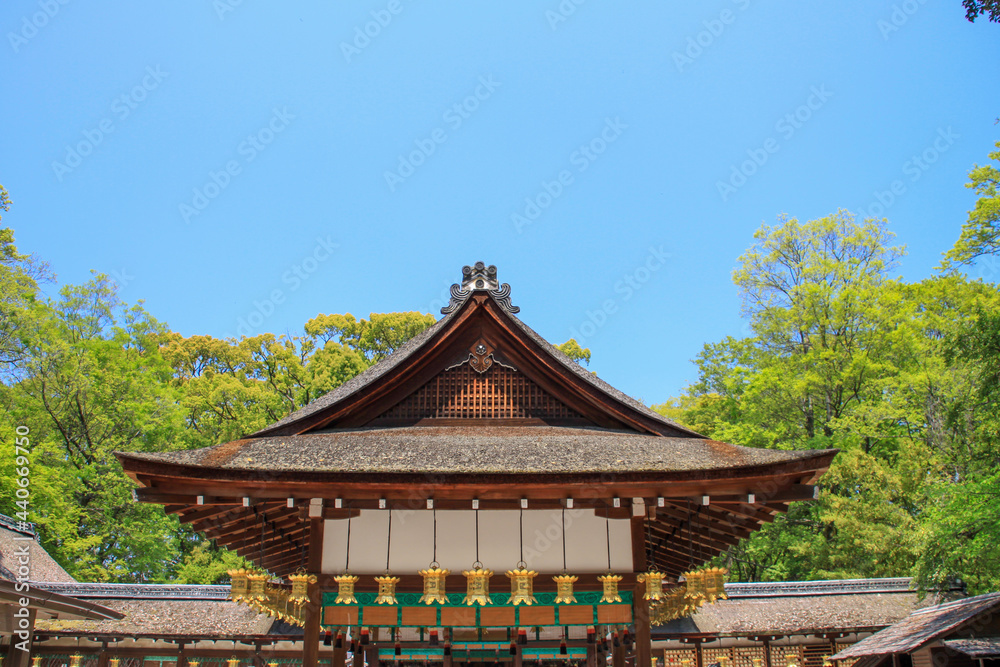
(524, 503)
(661, 502)
(569, 503)
(381, 503)
(616, 502)
(246, 501)
(201, 500)
(430, 503)
(338, 503)
(705, 500)
(475, 503)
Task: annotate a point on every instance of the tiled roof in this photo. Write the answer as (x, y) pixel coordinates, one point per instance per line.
(922, 627)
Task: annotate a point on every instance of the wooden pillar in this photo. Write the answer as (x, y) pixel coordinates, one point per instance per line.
(699, 658)
(617, 655)
(640, 607)
(339, 654)
(310, 638)
(15, 656)
(517, 662)
(359, 654)
(447, 661)
(102, 656)
(767, 652)
(592, 655)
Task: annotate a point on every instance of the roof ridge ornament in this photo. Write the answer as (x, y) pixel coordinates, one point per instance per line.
(480, 277)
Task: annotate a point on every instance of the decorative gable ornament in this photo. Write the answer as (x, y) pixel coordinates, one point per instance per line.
(480, 277)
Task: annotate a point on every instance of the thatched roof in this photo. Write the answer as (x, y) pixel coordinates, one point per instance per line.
(479, 450)
(787, 608)
(41, 566)
(923, 626)
(160, 611)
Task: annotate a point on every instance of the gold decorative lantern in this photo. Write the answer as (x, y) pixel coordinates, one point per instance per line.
(757, 662)
(610, 583)
(74, 660)
(715, 583)
(238, 585)
(191, 663)
(256, 594)
(521, 585)
(345, 589)
(654, 585)
(37, 661)
(477, 586)
(723, 661)
(564, 588)
(233, 662)
(791, 660)
(386, 589)
(694, 590)
(434, 585)
(300, 587)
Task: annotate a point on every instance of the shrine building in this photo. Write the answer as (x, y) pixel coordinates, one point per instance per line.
(477, 497)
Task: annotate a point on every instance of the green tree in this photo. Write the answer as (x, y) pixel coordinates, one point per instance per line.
(981, 232)
(375, 338)
(974, 8)
(573, 350)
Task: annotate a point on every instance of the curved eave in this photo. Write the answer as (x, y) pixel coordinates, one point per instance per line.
(806, 469)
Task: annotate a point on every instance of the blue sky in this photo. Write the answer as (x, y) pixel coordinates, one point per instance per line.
(244, 161)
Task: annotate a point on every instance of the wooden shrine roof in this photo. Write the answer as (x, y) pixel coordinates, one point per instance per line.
(485, 451)
(924, 626)
(478, 407)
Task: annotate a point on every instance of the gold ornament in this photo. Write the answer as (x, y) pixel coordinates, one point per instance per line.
(791, 659)
(233, 662)
(694, 591)
(564, 588)
(37, 661)
(434, 580)
(256, 595)
(386, 589)
(74, 660)
(654, 585)
(238, 585)
(345, 589)
(477, 587)
(610, 583)
(300, 587)
(715, 584)
(522, 582)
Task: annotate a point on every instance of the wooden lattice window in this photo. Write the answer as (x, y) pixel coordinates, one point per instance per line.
(463, 393)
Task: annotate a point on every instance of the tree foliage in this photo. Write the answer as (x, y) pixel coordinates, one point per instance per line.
(903, 378)
(975, 8)
(981, 232)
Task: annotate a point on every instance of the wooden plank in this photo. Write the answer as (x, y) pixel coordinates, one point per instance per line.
(387, 615)
(614, 613)
(536, 615)
(458, 617)
(498, 617)
(420, 616)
